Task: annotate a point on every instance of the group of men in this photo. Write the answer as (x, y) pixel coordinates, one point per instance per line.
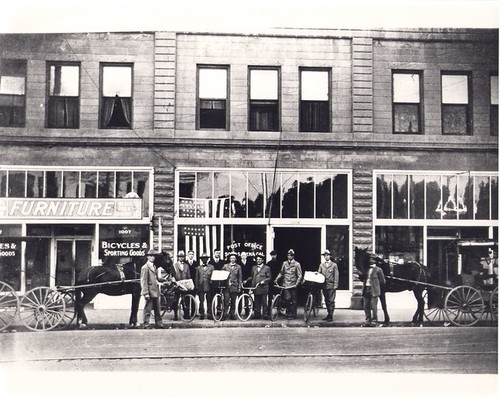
(242, 271)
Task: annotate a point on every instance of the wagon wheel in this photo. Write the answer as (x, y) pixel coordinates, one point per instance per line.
(494, 304)
(42, 308)
(69, 313)
(9, 305)
(464, 306)
(434, 309)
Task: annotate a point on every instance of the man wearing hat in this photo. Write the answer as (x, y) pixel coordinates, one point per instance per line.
(234, 281)
(274, 266)
(291, 273)
(150, 290)
(180, 272)
(371, 291)
(331, 272)
(260, 278)
(202, 282)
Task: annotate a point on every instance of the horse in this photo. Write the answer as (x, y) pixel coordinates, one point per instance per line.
(406, 274)
(99, 277)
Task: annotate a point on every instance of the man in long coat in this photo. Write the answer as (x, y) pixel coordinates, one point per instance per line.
(150, 289)
(260, 277)
(330, 270)
(372, 286)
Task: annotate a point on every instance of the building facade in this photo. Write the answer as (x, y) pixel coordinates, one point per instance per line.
(304, 140)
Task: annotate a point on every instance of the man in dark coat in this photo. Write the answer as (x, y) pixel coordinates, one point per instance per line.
(216, 260)
(371, 292)
(274, 267)
(260, 278)
(191, 262)
(150, 289)
(202, 283)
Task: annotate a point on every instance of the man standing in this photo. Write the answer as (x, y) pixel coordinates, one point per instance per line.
(203, 285)
(331, 272)
(291, 272)
(151, 291)
(234, 286)
(180, 272)
(274, 267)
(191, 262)
(246, 265)
(260, 277)
(216, 260)
(371, 292)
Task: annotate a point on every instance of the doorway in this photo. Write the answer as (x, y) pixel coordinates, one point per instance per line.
(72, 256)
(306, 242)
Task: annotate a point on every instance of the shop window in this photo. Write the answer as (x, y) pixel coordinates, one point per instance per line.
(290, 195)
(71, 184)
(123, 183)
(405, 242)
(482, 198)
(465, 190)
(238, 194)
(324, 195)
(34, 184)
(417, 197)
(106, 188)
(455, 107)
(12, 93)
(494, 105)
(89, 184)
(337, 241)
(406, 105)
(141, 188)
(10, 255)
(63, 110)
(213, 95)
(17, 181)
(340, 190)
(306, 195)
(264, 99)
(116, 96)
(53, 184)
(433, 197)
(384, 196)
(255, 197)
(314, 108)
(119, 243)
(494, 198)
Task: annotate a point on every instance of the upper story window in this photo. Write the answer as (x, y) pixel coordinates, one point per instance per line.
(456, 104)
(494, 104)
(213, 96)
(314, 100)
(116, 96)
(63, 110)
(12, 92)
(264, 112)
(406, 102)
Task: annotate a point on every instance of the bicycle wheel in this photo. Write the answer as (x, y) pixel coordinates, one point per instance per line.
(188, 307)
(218, 307)
(308, 309)
(244, 307)
(9, 305)
(276, 307)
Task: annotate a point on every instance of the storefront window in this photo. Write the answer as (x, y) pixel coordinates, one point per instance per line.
(53, 184)
(37, 262)
(238, 194)
(306, 195)
(89, 184)
(384, 196)
(123, 183)
(433, 197)
(106, 187)
(200, 238)
(10, 255)
(245, 238)
(323, 195)
(340, 190)
(465, 196)
(400, 190)
(17, 180)
(417, 197)
(400, 242)
(481, 200)
(274, 195)
(34, 184)
(255, 198)
(290, 199)
(71, 184)
(337, 241)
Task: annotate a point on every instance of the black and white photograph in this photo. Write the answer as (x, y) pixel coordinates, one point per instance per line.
(266, 199)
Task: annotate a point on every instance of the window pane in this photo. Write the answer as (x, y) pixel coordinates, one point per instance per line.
(406, 118)
(384, 196)
(213, 83)
(187, 185)
(289, 203)
(455, 120)
(34, 184)
(400, 190)
(213, 114)
(123, 183)
(53, 184)
(450, 207)
(494, 198)
(314, 116)
(323, 196)
(337, 241)
(64, 80)
(256, 184)
(221, 203)
(263, 84)
(264, 116)
(401, 242)
(106, 184)
(17, 180)
(89, 184)
(306, 196)
(273, 200)
(238, 194)
(433, 197)
(204, 186)
(12, 85)
(117, 80)
(406, 87)
(12, 92)
(340, 189)
(71, 184)
(465, 196)
(482, 198)
(455, 89)
(141, 188)
(314, 86)
(494, 90)
(417, 189)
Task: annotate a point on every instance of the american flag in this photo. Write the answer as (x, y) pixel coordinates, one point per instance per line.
(201, 238)
(197, 208)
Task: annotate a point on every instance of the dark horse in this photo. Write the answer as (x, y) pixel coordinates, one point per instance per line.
(102, 279)
(399, 278)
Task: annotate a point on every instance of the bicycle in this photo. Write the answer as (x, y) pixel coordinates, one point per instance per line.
(277, 305)
(313, 282)
(244, 304)
(178, 297)
(218, 305)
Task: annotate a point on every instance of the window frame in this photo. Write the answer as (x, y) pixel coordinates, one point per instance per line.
(328, 70)
(103, 65)
(420, 105)
(278, 101)
(468, 106)
(23, 123)
(48, 95)
(199, 99)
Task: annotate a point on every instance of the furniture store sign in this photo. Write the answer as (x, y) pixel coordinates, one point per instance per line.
(72, 209)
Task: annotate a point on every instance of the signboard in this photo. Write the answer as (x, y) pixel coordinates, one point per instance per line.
(119, 241)
(70, 209)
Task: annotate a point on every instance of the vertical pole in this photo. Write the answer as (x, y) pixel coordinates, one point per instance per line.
(160, 233)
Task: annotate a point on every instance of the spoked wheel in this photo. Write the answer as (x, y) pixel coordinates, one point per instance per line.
(494, 304)
(434, 310)
(9, 305)
(308, 309)
(188, 307)
(69, 313)
(276, 307)
(218, 307)
(42, 308)
(464, 306)
(244, 307)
